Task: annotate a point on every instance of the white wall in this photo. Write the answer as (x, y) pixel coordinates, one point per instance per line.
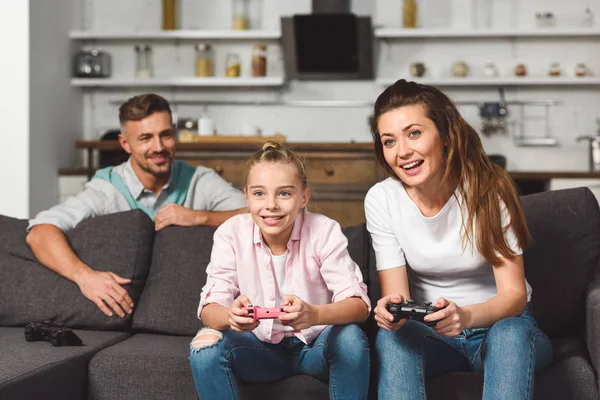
(41, 114)
(14, 108)
(55, 108)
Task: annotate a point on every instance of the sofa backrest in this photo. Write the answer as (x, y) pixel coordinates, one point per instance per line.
(170, 298)
(564, 257)
(121, 243)
(178, 272)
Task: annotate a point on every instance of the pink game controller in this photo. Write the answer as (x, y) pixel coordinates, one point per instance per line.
(256, 312)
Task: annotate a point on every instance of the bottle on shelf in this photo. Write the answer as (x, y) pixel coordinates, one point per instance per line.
(204, 60)
(169, 15)
(240, 15)
(143, 61)
(233, 65)
(259, 60)
(409, 14)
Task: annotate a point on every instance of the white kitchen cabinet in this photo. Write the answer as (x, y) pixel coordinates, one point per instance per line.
(566, 183)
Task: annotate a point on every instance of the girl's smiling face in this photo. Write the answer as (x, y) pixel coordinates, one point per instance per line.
(275, 195)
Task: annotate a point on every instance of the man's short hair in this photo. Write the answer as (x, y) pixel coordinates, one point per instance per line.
(139, 107)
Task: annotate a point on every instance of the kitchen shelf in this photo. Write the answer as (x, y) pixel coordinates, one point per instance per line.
(401, 33)
(510, 81)
(225, 34)
(178, 82)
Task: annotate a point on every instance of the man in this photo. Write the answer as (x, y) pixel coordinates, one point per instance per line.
(170, 192)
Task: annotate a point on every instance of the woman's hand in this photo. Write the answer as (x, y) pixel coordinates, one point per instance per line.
(298, 314)
(451, 319)
(238, 315)
(383, 317)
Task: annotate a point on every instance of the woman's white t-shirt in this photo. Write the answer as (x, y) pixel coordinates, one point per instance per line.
(430, 247)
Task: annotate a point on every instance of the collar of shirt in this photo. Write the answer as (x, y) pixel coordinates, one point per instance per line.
(134, 184)
(257, 236)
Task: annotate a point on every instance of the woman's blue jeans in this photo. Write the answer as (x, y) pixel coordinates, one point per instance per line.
(340, 354)
(508, 354)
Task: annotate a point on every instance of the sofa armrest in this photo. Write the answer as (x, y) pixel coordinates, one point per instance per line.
(592, 329)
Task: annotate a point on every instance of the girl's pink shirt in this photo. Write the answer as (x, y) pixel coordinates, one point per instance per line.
(318, 268)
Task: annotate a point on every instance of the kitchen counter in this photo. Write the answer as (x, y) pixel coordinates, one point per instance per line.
(515, 175)
(335, 148)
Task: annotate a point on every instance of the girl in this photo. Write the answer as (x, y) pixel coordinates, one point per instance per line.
(281, 255)
(447, 228)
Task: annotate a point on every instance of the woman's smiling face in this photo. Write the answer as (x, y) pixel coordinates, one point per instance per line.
(412, 146)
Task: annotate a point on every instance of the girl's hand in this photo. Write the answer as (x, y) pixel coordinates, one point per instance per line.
(383, 317)
(298, 314)
(451, 319)
(238, 315)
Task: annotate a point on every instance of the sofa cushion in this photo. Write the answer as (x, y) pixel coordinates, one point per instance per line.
(569, 377)
(359, 248)
(145, 366)
(564, 257)
(161, 363)
(170, 298)
(38, 370)
(121, 243)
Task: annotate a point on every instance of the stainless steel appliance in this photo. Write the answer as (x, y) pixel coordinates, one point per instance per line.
(92, 64)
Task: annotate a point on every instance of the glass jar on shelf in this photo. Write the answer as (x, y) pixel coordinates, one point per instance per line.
(233, 65)
(259, 60)
(204, 60)
(240, 15)
(143, 61)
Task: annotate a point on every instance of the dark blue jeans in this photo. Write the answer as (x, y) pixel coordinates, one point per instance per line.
(339, 354)
(508, 354)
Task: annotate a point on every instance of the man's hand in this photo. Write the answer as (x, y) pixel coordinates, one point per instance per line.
(298, 314)
(104, 288)
(383, 317)
(174, 214)
(239, 320)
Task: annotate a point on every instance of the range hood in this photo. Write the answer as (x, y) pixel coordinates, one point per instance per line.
(331, 43)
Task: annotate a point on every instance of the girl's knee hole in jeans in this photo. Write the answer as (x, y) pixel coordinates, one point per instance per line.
(206, 337)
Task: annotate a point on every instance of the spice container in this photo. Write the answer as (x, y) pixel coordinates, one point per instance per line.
(581, 70)
(460, 69)
(554, 69)
(259, 60)
(239, 17)
(204, 60)
(143, 61)
(409, 14)
(521, 70)
(233, 65)
(417, 69)
(490, 70)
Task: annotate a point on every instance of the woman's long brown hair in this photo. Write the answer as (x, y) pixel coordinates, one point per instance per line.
(481, 183)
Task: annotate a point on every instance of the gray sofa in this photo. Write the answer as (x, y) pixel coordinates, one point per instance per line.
(144, 356)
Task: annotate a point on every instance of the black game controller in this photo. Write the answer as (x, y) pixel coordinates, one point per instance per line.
(413, 310)
(57, 334)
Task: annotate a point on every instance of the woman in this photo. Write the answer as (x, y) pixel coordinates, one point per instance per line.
(447, 228)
